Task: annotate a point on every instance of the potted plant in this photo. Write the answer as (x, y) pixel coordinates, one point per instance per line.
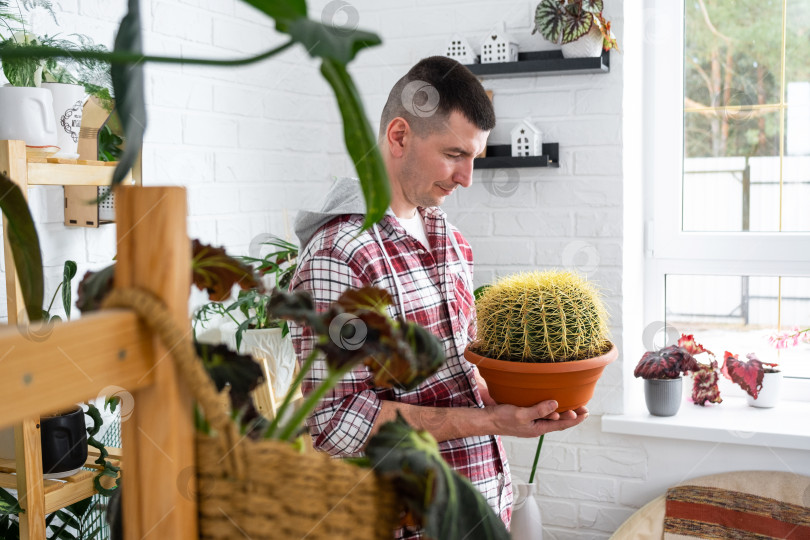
(541, 335)
(398, 353)
(255, 330)
(662, 370)
(760, 380)
(578, 25)
(66, 81)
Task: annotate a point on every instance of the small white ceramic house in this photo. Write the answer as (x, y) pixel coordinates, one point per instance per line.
(458, 48)
(527, 140)
(498, 46)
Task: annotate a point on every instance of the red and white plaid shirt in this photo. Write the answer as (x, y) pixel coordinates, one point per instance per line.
(436, 290)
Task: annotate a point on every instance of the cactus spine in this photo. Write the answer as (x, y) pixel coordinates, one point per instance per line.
(548, 316)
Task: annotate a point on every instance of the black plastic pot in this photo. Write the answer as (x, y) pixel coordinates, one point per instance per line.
(64, 442)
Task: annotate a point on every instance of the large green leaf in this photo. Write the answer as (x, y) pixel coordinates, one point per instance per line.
(360, 142)
(128, 85)
(447, 504)
(549, 18)
(282, 11)
(22, 236)
(325, 41)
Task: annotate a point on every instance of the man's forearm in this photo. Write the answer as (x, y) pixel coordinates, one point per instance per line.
(444, 423)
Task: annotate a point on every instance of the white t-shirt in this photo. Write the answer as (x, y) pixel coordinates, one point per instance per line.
(416, 228)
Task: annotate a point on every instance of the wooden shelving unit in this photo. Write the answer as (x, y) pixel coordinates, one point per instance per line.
(65, 491)
(543, 63)
(39, 497)
(499, 156)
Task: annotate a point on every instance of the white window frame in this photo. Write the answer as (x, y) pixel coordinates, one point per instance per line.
(668, 249)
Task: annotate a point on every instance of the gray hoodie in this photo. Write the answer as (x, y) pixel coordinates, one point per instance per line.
(344, 197)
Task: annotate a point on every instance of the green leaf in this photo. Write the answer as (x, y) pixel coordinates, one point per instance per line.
(329, 43)
(549, 18)
(94, 413)
(68, 273)
(128, 85)
(592, 6)
(360, 142)
(447, 504)
(283, 11)
(19, 71)
(578, 22)
(480, 291)
(22, 235)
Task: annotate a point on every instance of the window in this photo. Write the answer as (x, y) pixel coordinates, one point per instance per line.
(728, 228)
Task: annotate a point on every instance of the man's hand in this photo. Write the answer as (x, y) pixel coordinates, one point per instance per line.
(455, 422)
(532, 421)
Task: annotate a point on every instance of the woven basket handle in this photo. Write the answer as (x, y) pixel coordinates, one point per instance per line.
(155, 315)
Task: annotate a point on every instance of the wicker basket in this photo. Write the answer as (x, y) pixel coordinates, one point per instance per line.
(266, 489)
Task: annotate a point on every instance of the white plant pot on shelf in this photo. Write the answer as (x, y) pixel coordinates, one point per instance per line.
(588, 46)
(527, 521)
(769, 394)
(68, 103)
(26, 114)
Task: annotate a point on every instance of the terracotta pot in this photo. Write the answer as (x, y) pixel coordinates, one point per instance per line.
(570, 384)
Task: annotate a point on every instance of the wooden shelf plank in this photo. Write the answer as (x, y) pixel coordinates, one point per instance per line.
(533, 63)
(71, 174)
(43, 372)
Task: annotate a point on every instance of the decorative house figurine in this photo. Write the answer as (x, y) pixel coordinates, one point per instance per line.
(458, 48)
(498, 46)
(527, 140)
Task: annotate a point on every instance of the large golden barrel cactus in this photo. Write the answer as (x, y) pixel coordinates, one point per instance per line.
(548, 316)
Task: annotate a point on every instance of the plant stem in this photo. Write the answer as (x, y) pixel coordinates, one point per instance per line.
(124, 57)
(312, 401)
(536, 457)
(307, 365)
(53, 298)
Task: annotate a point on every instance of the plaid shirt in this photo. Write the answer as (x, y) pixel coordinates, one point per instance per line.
(437, 295)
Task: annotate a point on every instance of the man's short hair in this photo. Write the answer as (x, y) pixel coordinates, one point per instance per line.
(430, 91)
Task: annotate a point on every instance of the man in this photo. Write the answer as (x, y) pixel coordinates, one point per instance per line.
(436, 120)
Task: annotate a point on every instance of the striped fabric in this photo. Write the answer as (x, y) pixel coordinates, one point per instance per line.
(711, 512)
(436, 295)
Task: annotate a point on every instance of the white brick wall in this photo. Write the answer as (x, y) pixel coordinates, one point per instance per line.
(255, 144)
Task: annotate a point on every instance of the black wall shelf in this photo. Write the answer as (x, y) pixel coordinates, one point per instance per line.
(499, 156)
(543, 63)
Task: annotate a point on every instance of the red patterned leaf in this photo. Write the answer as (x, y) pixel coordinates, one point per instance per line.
(687, 341)
(748, 375)
(667, 363)
(705, 384)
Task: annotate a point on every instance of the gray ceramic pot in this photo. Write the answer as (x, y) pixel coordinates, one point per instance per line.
(663, 396)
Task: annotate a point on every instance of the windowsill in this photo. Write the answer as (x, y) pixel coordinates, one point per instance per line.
(733, 422)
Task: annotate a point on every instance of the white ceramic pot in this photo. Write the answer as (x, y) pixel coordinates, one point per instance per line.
(68, 103)
(27, 114)
(769, 394)
(588, 46)
(527, 521)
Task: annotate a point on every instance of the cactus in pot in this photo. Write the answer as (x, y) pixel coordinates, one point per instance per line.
(541, 317)
(541, 335)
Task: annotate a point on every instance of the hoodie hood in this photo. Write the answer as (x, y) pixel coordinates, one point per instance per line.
(344, 197)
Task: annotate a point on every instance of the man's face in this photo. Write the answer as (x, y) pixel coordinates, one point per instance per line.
(434, 166)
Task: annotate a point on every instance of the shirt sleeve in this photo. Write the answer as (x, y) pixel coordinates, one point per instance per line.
(342, 421)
